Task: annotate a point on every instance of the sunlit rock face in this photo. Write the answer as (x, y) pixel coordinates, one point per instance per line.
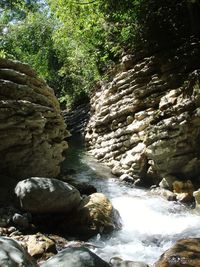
(32, 131)
(146, 120)
(185, 252)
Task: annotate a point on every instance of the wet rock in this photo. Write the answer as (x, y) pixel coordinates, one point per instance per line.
(37, 245)
(75, 257)
(43, 195)
(13, 255)
(196, 195)
(126, 178)
(20, 221)
(83, 187)
(94, 215)
(33, 131)
(185, 252)
(184, 191)
(164, 193)
(118, 262)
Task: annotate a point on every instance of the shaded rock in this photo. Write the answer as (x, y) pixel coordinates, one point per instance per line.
(37, 245)
(184, 191)
(33, 131)
(75, 257)
(118, 262)
(21, 221)
(164, 193)
(196, 195)
(126, 178)
(77, 118)
(13, 255)
(43, 195)
(185, 252)
(83, 187)
(94, 215)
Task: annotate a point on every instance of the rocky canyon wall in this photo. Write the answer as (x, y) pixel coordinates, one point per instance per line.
(145, 121)
(32, 131)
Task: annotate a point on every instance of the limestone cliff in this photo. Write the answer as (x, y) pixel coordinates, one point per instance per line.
(32, 131)
(146, 120)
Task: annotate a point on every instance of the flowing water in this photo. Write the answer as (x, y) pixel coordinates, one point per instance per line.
(151, 224)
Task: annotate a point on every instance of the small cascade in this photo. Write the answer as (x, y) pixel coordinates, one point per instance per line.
(151, 224)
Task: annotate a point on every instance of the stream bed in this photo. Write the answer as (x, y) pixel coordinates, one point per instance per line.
(151, 224)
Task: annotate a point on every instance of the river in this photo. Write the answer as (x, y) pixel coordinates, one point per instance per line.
(151, 224)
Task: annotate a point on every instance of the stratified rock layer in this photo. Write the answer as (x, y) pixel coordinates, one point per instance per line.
(32, 131)
(146, 121)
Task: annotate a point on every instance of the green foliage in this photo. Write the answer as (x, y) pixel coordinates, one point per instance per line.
(72, 43)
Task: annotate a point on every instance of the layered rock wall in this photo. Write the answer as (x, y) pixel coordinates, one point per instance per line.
(146, 120)
(32, 131)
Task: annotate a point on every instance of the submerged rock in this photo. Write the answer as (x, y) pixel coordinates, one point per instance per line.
(44, 195)
(185, 252)
(75, 257)
(118, 262)
(13, 255)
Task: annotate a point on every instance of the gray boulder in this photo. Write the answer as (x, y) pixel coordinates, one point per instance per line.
(13, 255)
(44, 195)
(75, 257)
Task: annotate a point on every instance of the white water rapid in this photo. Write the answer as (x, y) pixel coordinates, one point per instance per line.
(151, 224)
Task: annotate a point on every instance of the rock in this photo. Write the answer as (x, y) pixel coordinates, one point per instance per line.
(37, 245)
(185, 252)
(75, 257)
(94, 215)
(43, 195)
(164, 193)
(77, 118)
(118, 262)
(145, 120)
(167, 182)
(13, 255)
(184, 191)
(33, 131)
(21, 221)
(183, 187)
(196, 195)
(83, 187)
(126, 178)
(131, 264)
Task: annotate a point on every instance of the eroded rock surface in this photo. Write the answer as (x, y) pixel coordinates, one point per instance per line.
(94, 215)
(32, 131)
(185, 252)
(146, 121)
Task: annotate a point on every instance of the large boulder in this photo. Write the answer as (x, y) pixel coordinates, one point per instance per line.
(13, 255)
(186, 252)
(75, 257)
(33, 131)
(94, 215)
(44, 195)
